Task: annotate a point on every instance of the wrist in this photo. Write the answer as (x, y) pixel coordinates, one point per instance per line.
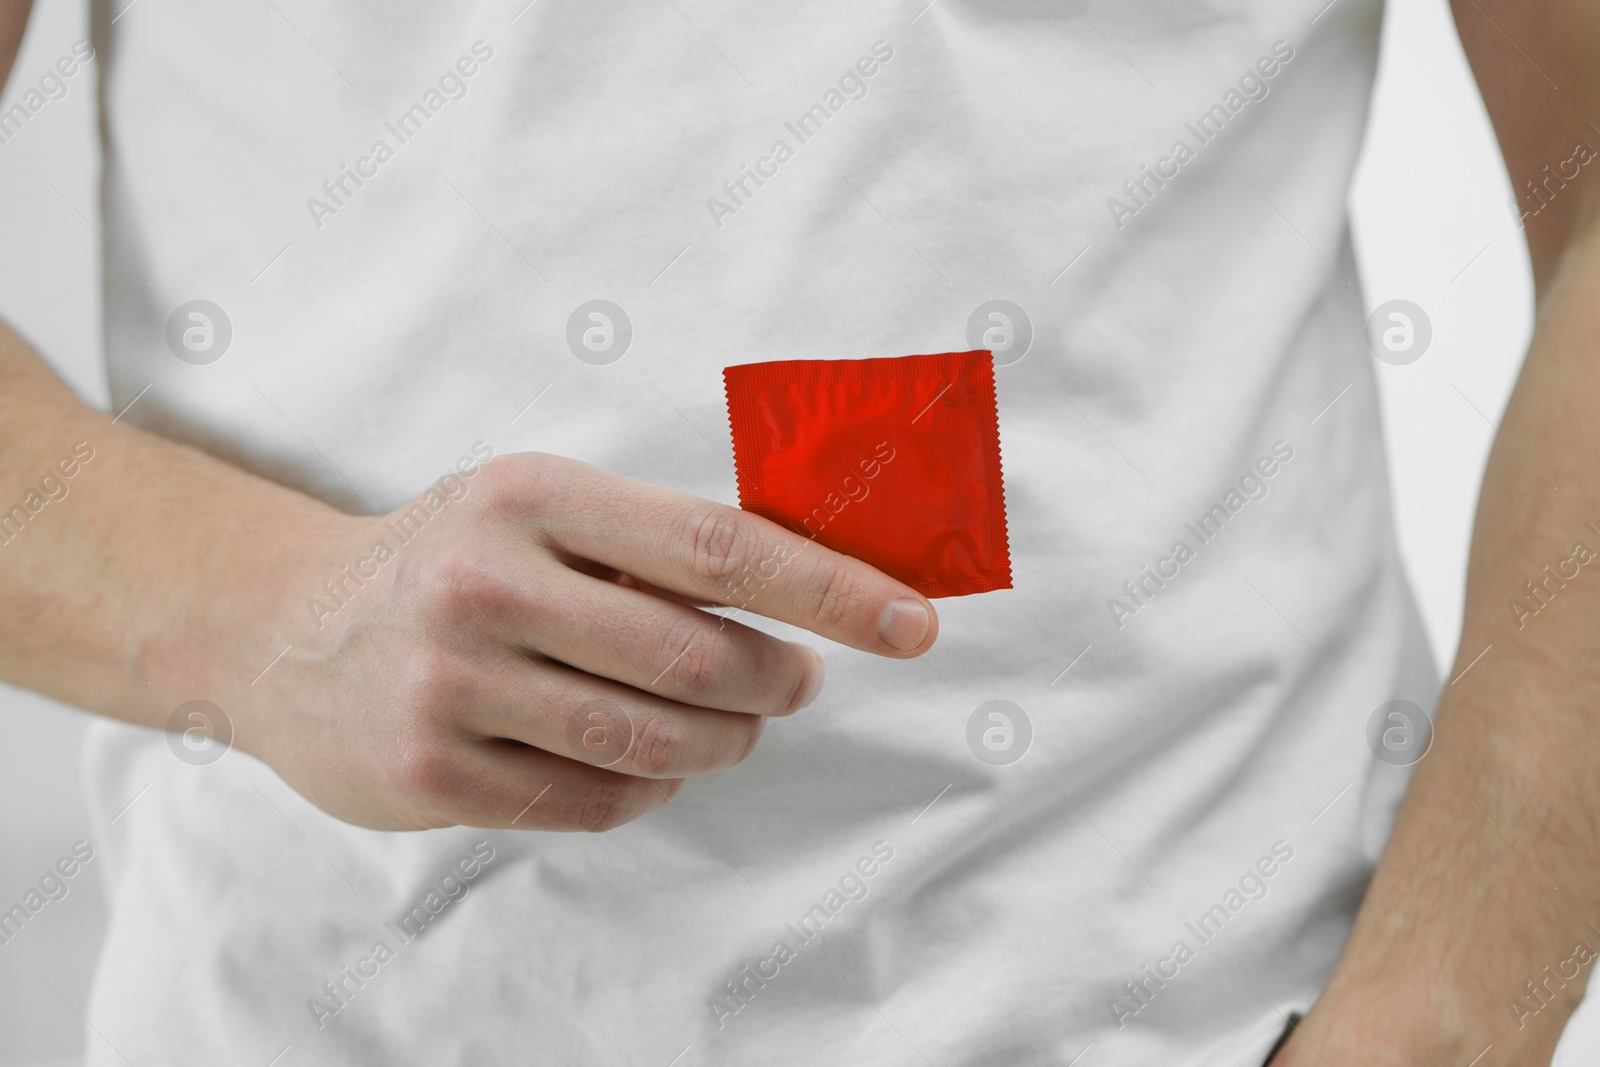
(246, 612)
(212, 563)
(1379, 1026)
(1408, 1022)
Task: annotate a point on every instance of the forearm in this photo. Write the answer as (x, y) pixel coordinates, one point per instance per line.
(145, 577)
(1492, 874)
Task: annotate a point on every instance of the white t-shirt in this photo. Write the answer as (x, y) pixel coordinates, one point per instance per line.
(870, 886)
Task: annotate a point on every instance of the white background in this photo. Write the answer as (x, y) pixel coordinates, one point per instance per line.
(1431, 226)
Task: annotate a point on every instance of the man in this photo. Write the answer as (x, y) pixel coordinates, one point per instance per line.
(349, 258)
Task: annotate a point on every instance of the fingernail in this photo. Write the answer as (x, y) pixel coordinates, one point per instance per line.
(813, 684)
(903, 624)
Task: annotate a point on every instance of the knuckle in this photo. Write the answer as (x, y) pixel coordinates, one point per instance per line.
(728, 745)
(431, 581)
(483, 592)
(425, 770)
(501, 481)
(698, 660)
(604, 805)
(517, 484)
(661, 746)
(716, 544)
(435, 682)
(462, 587)
(833, 594)
(504, 471)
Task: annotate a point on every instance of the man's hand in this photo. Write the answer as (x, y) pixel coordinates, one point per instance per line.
(521, 647)
(538, 636)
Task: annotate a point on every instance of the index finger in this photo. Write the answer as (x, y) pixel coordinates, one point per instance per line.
(700, 548)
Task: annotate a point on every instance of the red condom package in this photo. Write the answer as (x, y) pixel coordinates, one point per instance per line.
(893, 461)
